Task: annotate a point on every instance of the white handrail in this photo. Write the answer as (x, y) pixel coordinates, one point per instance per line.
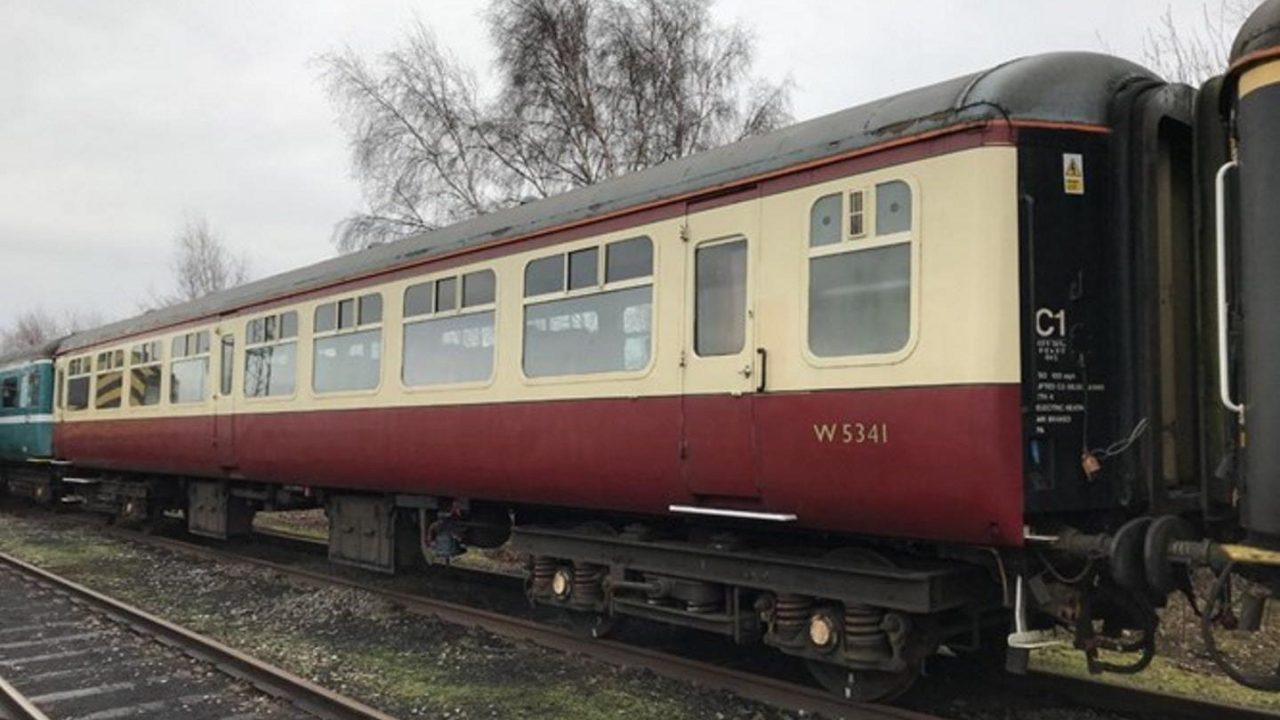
(1224, 369)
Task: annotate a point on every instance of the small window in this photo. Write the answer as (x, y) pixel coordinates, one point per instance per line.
(78, 380)
(419, 300)
(326, 318)
(720, 313)
(893, 207)
(857, 215)
(9, 392)
(145, 374)
(478, 288)
(627, 259)
(288, 325)
(824, 221)
(446, 294)
(347, 314)
(58, 383)
(226, 362)
(29, 395)
(544, 275)
(189, 369)
(583, 270)
(370, 309)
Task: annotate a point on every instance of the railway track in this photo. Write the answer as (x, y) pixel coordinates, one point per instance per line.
(780, 693)
(69, 652)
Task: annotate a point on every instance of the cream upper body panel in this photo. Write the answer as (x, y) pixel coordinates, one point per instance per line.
(963, 329)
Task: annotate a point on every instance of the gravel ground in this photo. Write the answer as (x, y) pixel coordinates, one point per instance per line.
(357, 644)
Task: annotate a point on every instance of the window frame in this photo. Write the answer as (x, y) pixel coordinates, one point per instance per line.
(249, 345)
(601, 245)
(79, 367)
(116, 364)
(338, 330)
(460, 309)
(158, 361)
(174, 358)
(868, 240)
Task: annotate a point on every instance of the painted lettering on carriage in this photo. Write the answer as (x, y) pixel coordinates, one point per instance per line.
(1050, 323)
(852, 433)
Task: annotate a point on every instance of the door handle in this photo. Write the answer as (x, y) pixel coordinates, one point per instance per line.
(764, 368)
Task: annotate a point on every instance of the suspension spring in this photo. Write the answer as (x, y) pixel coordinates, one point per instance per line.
(587, 588)
(864, 638)
(544, 569)
(791, 615)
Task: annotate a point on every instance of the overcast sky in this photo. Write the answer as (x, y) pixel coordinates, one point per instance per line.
(120, 117)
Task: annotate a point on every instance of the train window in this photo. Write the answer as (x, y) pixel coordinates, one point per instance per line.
(583, 270)
(370, 309)
(544, 275)
(446, 294)
(720, 298)
(478, 288)
(78, 377)
(9, 392)
(860, 293)
(446, 344)
(608, 330)
(189, 370)
(824, 221)
(860, 301)
(627, 259)
(350, 356)
(109, 381)
(227, 361)
(145, 373)
(326, 318)
(857, 214)
(270, 356)
(30, 395)
(59, 378)
(419, 299)
(893, 208)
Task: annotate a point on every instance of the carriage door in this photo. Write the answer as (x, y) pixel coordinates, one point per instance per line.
(224, 437)
(720, 359)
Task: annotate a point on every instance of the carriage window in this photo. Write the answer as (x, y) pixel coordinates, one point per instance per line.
(824, 221)
(446, 345)
(270, 356)
(607, 330)
(628, 259)
(78, 371)
(9, 392)
(30, 390)
(893, 208)
(227, 361)
(189, 369)
(446, 294)
(350, 356)
(720, 312)
(857, 215)
(860, 293)
(145, 373)
(108, 383)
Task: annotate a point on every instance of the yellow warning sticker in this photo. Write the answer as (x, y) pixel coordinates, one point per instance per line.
(1073, 173)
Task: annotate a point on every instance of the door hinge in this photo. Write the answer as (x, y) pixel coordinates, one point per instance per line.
(684, 359)
(684, 450)
(684, 232)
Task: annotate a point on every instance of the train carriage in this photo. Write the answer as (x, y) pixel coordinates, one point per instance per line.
(26, 421)
(855, 389)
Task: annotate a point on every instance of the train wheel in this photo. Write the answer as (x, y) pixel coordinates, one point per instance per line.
(869, 686)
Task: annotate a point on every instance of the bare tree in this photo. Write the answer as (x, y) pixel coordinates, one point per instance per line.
(588, 89)
(1195, 53)
(37, 326)
(202, 264)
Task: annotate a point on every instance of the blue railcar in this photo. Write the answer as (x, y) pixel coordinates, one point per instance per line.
(26, 407)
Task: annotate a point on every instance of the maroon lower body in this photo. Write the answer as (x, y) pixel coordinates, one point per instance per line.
(939, 464)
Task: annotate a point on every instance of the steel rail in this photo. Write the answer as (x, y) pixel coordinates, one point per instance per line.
(770, 691)
(302, 693)
(1091, 693)
(15, 706)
